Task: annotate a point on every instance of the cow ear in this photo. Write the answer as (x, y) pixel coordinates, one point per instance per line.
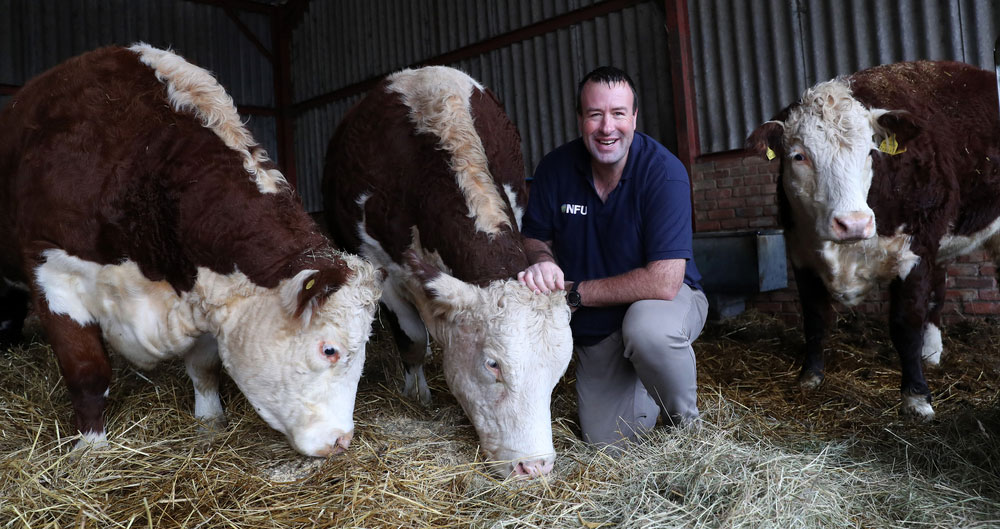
(447, 293)
(898, 123)
(766, 140)
(302, 294)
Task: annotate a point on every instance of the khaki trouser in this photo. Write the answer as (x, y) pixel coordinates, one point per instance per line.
(648, 367)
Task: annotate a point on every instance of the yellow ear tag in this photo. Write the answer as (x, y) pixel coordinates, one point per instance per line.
(770, 154)
(890, 146)
(310, 284)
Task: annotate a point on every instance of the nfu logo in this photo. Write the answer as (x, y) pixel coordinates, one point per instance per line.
(573, 209)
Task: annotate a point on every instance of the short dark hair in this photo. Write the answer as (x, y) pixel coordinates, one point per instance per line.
(610, 76)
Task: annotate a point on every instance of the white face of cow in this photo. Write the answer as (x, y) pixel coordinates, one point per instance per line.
(505, 349)
(828, 140)
(301, 373)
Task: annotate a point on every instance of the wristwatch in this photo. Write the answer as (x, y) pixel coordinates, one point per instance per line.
(573, 297)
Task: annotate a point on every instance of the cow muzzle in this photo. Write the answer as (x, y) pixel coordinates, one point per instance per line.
(339, 446)
(533, 468)
(853, 226)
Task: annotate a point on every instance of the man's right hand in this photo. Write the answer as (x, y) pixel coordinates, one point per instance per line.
(543, 277)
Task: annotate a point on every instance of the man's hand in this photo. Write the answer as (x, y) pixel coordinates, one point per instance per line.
(543, 277)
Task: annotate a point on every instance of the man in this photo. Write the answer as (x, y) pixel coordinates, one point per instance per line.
(609, 217)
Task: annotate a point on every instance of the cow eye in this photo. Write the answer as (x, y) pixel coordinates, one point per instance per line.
(798, 157)
(493, 367)
(330, 352)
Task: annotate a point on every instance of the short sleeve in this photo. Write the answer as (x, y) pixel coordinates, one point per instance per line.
(537, 222)
(666, 209)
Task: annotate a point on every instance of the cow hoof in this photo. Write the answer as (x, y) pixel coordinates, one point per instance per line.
(210, 427)
(933, 346)
(415, 385)
(810, 381)
(90, 441)
(917, 407)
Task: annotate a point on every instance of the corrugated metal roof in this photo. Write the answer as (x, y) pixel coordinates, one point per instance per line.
(342, 43)
(38, 34)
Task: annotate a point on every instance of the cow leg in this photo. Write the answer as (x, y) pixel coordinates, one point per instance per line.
(13, 311)
(908, 311)
(933, 345)
(414, 348)
(203, 366)
(85, 368)
(817, 318)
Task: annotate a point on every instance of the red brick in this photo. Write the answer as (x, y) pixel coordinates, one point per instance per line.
(964, 269)
(964, 294)
(698, 185)
(719, 214)
(709, 225)
(718, 193)
(730, 181)
(974, 282)
(988, 269)
(981, 307)
(730, 162)
(734, 224)
(989, 294)
(745, 191)
(747, 213)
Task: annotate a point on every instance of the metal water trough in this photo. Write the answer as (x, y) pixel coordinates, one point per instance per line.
(737, 264)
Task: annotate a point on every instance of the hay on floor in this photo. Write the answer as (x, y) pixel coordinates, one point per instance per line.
(766, 454)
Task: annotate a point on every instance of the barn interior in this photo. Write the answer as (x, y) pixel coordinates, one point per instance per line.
(708, 72)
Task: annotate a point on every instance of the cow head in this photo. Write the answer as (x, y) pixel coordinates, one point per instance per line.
(505, 349)
(297, 351)
(826, 142)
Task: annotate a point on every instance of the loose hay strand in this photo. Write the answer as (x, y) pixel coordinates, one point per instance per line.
(765, 455)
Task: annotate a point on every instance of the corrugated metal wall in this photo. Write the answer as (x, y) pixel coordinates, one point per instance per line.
(343, 42)
(38, 34)
(751, 58)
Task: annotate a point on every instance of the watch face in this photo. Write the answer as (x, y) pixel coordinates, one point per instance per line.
(573, 299)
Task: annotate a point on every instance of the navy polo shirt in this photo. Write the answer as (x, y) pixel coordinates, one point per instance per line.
(647, 217)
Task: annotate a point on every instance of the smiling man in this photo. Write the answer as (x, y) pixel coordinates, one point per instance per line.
(609, 219)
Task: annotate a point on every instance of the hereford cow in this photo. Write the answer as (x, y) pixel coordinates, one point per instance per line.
(889, 173)
(140, 213)
(424, 177)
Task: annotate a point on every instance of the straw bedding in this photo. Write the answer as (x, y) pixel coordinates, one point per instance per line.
(766, 454)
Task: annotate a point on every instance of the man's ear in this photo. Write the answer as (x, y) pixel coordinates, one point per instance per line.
(448, 294)
(302, 294)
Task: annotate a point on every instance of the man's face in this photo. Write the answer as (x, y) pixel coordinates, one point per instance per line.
(607, 122)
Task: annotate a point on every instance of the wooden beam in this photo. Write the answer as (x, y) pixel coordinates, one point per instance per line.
(682, 74)
(479, 48)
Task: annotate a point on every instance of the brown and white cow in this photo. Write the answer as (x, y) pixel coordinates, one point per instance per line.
(140, 213)
(424, 177)
(887, 174)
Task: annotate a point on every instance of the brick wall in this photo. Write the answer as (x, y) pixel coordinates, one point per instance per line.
(735, 192)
